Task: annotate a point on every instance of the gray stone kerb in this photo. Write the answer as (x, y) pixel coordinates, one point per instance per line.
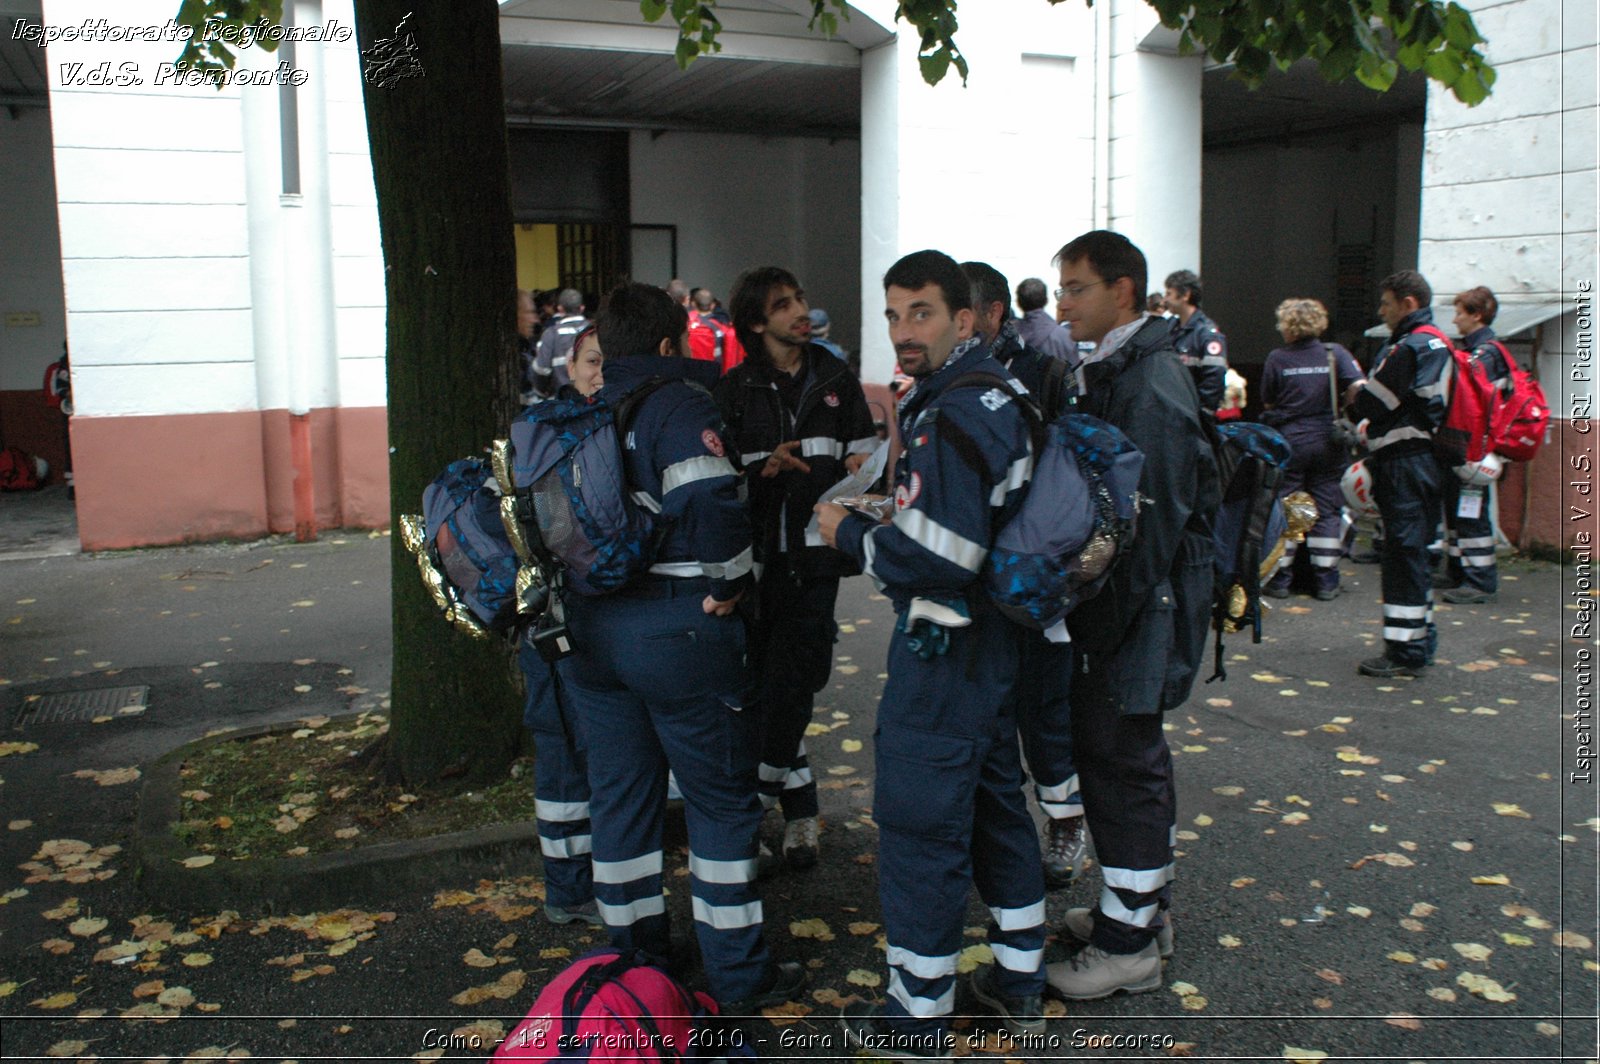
(360, 877)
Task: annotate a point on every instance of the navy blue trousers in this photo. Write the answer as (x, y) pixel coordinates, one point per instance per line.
(560, 780)
(1409, 492)
(951, 814)
(658, 682)
(791, 653)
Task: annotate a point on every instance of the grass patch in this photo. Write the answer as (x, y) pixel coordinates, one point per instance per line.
(305, 791)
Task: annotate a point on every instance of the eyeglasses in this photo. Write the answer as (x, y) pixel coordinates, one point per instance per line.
(1076, 290)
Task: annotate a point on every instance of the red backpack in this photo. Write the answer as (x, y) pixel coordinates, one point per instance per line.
(19, 470)
(1465, 435)
(620, 1006)
(1520, 420)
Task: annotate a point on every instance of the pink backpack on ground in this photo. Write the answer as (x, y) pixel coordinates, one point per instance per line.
(611, 1006)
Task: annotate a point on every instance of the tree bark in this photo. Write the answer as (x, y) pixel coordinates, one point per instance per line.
(439, 162)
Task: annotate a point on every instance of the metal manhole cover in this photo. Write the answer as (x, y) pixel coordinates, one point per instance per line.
(81, 707)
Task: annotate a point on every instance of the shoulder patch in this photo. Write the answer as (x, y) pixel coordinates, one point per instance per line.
(907, 493)
(832, 398)
(712, 441)
(994, 399)
(1214, 348)
(1435, 343)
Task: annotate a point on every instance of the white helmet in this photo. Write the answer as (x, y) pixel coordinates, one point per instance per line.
(1483, 471)
(1357, 487)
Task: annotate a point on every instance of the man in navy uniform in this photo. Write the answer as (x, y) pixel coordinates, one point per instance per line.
(658, 675)
(948, 791)
(555, 345)
(1140, 640)
(1199, 343)
(798, 422)
(1404, 399)
(1045, 675)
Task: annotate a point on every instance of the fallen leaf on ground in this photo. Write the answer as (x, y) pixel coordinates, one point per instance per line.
(1511, 809)
(863, 928)
(198, 861)
(1484, 987)
(110, 777)
(1405, 1023)
(86, 926)
(1499, 879)
(813, 928)
(55, 1001)
(1571, 940)
(1331, 976)
(862, 977)
(1303, 1056)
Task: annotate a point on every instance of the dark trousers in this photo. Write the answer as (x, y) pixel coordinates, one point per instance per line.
(560, 780)
(1044, 719)
(1131, 807)
(1325, 542)
(658, 683)
(1470, 540)
(791, 654)
(951, 815)
(1409, 492)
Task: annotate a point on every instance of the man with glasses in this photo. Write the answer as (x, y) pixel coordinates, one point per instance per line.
(1140, 640)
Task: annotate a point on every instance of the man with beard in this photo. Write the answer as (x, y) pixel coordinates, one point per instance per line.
(948, 789)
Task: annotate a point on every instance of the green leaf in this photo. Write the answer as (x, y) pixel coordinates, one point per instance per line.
(652, 10)
(688, 51)
(935, 66)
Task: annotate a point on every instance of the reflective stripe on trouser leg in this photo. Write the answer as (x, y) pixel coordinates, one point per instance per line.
(1326, 540)
(792, 657)
(560, 782)
(943, 752)
(1129, 802)
(1472, 560)
(1044, 720)
(1408, 493)
(712, 747)
(1006, 869)
(637, 683)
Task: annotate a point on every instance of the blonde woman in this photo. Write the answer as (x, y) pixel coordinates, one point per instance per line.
(1296, 390)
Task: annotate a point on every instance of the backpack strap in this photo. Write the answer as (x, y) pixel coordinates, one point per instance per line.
(964, 444)
(1053, 388)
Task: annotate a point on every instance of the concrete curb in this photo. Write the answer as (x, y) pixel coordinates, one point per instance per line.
(362, 877)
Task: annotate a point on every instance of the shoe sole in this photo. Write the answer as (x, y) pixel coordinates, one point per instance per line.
(573, 918)
(1012, 1025)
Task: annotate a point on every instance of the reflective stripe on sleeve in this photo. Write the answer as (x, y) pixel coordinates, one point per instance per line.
(937, 539)
(701, 467)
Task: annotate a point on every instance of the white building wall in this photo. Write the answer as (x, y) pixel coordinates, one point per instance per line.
(998, 170)
(155, 223)
(1154, 198)
(1509, 187)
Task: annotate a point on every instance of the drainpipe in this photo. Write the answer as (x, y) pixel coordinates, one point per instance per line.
(1102, 115)
(310, 267)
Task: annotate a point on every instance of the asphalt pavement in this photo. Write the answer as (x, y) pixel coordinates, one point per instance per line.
(1370, 870)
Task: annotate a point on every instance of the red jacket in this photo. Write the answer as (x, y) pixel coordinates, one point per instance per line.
(712, 341)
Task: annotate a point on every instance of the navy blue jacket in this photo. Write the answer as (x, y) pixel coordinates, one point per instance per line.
(1294, 387)
(1406, 395)
(947, 508)
(1202, 347)
(1144, 390)
(1487, 354)
(1030, 366)
(831, 421)
(677, 466)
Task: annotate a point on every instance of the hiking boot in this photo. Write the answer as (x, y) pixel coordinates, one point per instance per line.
(1384, 669)
(1468, 596)
(1092, 973)
(1325, 594)
(1079, 924)
(1020, 1016)
(1065, 843)
(1277, 591)
(767, 862)
(864, 1027)
(587, 913)
(800, 842)
(1365, 557)
(1441, 582)
(784, 982)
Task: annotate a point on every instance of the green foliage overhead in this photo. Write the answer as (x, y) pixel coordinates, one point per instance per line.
(1369, 40)
(214, 57)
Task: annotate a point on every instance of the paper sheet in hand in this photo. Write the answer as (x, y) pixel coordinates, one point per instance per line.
(856, 483)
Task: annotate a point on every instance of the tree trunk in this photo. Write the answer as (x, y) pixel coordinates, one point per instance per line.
(439, 161)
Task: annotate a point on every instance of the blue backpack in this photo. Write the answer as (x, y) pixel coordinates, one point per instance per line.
(563, 466)
(1078, 516)
(465, 555)
(1249, 521)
